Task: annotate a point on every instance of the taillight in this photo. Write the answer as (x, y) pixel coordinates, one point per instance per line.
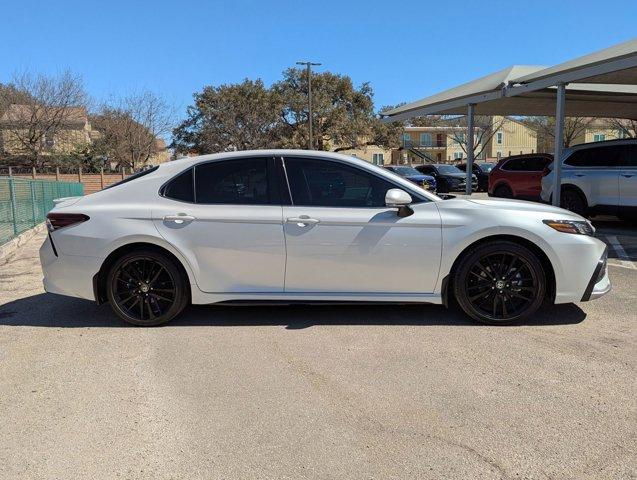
(546, 171)
(55, 221)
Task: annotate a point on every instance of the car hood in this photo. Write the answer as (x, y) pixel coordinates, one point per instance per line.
(519, 205)
(420, 178)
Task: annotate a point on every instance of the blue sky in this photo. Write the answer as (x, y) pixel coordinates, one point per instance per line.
(407, 50)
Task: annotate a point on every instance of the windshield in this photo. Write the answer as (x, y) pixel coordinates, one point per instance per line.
(487, 167)
(404, 171)
(445, 169)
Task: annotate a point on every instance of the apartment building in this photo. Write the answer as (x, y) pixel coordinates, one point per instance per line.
(501, 137)
(75, 131)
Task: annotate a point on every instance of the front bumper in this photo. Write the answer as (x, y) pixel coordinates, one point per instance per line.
(599, 284)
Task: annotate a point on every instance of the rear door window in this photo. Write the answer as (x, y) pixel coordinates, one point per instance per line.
(609, 156)
(629, 156)
(233, 182)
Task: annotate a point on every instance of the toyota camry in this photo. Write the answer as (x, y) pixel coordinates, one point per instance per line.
(290, 226)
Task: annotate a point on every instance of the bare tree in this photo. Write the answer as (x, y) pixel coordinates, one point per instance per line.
(131, 129)
(626, 128)
(37, 107)
(543, 128)
(485, 128)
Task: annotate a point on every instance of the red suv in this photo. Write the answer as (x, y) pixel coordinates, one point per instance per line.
(519, 176)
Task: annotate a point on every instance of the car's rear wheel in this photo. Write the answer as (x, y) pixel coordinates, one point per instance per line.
(146, 287)
(499, 283)
(572, 200)
(503, 191)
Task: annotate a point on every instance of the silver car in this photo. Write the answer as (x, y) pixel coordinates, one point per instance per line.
(597, 178)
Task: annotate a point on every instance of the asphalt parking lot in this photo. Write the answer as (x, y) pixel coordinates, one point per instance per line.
(317, 392)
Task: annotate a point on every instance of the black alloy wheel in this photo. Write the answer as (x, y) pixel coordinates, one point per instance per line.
(573, 201)
(503, 191)
(500, 283)
(146, 288)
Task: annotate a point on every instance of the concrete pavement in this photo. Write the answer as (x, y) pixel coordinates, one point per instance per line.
(313, 392)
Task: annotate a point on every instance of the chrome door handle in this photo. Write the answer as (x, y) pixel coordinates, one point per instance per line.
(302, 221)
(579, 175)
(179, 218)
(628, 175)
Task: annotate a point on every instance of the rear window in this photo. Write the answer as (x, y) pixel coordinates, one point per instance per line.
(135, 176)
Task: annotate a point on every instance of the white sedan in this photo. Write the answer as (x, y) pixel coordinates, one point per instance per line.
(297, 226)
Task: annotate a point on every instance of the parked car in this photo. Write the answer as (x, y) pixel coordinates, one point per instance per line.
(413, 175)
(448, 177)
(597, 178)
(519, 176)
(294, 226)
(480, 170)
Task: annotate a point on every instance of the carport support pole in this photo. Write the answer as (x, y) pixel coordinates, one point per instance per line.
(559, 143)
(470, 110)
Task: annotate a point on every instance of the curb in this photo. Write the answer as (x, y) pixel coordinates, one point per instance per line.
(8, 249)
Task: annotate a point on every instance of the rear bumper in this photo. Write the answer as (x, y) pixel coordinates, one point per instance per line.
(69, 275)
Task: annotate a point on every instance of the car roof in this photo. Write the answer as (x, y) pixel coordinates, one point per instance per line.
(604, 143)
(176, 166)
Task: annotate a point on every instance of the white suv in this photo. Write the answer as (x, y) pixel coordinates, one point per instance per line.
(597, 178)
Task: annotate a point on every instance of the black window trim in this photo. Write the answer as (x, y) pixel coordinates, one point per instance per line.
(273, 182)
(420, 198)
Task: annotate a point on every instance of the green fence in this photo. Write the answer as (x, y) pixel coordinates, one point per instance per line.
(24, 203)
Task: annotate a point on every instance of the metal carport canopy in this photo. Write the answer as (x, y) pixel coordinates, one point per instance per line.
(601, 84)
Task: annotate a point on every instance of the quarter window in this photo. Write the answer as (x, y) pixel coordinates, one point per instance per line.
(233, 182)
(181, 187)
(324, 183)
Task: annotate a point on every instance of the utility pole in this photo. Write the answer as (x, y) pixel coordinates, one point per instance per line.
(308, 67)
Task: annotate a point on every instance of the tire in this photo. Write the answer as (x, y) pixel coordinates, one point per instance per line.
(146, 288)
(503, 191)
(510, 277)
(574, 201)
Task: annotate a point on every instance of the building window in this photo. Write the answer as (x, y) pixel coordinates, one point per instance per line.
(458, 138)
(458, 155)
(406, 140)
(425, 140)
(499, 138)
(378, 159)
(599, 137)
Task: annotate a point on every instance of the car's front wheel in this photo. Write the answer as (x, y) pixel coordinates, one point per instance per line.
(146, 287)
(499, 283)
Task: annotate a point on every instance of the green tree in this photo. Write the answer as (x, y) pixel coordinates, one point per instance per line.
(342, 118)
(230, 117)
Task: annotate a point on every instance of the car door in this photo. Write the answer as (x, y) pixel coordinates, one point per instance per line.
(341, 238)
(595, 171)
(531, 176)
(628, 179)
(225, 216)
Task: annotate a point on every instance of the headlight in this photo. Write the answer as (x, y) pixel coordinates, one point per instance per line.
(578, 227)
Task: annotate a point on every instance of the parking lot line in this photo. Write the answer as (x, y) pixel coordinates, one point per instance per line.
(624, 259)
